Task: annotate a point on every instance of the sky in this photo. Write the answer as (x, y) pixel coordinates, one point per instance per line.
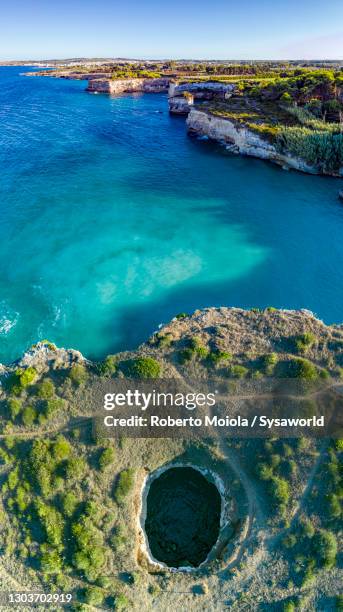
(157, 29)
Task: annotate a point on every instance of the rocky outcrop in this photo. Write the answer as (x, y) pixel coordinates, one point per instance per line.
(45, 356)
(240, 139)
(180, 105)
(119, 86)
(202, 90)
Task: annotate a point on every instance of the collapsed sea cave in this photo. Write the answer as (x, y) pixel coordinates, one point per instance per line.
(183, 516)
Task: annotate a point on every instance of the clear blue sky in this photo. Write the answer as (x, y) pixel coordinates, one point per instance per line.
(233, 29)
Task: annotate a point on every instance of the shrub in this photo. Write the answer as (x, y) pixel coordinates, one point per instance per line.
(326, 546)
(121, 602)
(275, 460)
(289, 606)
(237, 371)
(89, 556)
(269, 362)
(46, 389)
(94, 596)
(286, 98)
(143, 367)
(304, 342)
(51, 406)
(335, 509)
(181, 315)
(307, 528)
(219, 356)
(119, 537)
(186, 355)
(165, 340)
(124, 485)
(13, 479)
(78, 374)
(61, 448)
(22, 498)
(29, 416)
(26, 377)
(279, 489)
(75, 468)
(202, 352)
(109, 366)
(69, 503)
(194, 343)
(51, 521)
(14, 407)
(264, 471)
(20, 379)
(290, 540)
(50, 560)
(303, 369)
(106, 458)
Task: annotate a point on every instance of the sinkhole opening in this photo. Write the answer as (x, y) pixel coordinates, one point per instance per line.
(182, 521)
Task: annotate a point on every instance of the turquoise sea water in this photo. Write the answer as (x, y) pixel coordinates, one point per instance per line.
(112, 220)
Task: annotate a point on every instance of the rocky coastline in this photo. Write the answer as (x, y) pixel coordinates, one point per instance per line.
(119, 86)
(241, 140)
(238, 329)
(183, 99)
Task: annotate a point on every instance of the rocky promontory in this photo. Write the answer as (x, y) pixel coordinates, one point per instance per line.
(119, 86)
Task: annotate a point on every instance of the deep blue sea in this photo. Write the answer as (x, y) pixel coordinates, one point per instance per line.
(112, 220)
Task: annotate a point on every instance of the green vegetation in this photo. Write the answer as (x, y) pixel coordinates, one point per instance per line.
(94, 596)
(142, 367)
(237, 371)
(303, 369)
(46, 389)
(109, 366)
(300, 113)
(304, 341)
(20, 379)
(78, 374)
(106, 458)
(326, 546)
(124, 485)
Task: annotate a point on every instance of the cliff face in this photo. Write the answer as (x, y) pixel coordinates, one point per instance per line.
(241, 140)
(119, 86)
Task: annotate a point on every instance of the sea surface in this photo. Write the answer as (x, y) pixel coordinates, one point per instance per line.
(113, 220)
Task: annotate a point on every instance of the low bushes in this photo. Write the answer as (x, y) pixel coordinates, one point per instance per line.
(142, 367)
(78, 374)
(124, 485)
